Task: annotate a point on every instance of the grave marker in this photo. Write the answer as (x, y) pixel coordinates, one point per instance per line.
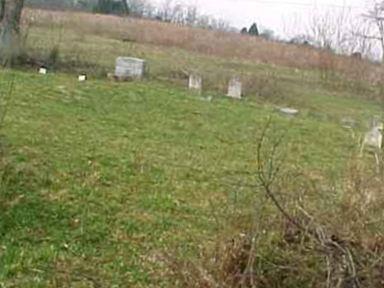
(129, 68)
(289, 112)
(195, 82)
(42, 70)
(82, 78)
(235, 88)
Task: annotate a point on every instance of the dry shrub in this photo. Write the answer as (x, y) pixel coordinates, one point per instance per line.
(326, 65)
(340, 246)
(267, 87)
(357, 76)
(217, 81)
(226, 267)
(362, 199)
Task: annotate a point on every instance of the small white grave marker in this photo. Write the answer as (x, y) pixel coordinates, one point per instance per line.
(43, 70)
(195, 82)
(82, 78)
(235, 88)
(290, 112)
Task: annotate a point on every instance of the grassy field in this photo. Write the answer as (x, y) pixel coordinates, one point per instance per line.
(100, 179)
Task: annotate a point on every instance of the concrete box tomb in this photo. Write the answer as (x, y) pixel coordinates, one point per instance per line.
(235, 88)
(130, 68)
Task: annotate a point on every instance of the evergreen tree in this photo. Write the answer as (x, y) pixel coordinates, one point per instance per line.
(112, 7)
(253, 30)
(244, 31)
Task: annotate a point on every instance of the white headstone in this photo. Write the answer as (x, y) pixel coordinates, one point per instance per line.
(43, 70)
(374, 137)
(82, 78)
(128, 67)
(195, 82)
(235, 88)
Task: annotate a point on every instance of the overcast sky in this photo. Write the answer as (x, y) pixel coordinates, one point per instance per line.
(273, 14)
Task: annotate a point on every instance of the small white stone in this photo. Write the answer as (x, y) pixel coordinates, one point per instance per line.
(43, 70)
(289, 111)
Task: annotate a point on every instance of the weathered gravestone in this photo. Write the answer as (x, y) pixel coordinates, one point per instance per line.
(129, 68)
(195, 83)
(235, 88)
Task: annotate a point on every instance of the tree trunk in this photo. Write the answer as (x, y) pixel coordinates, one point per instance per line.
(10, 14)
(125, 7)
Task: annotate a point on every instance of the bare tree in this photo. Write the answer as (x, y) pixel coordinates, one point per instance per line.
(376, 17)
(340, 31)
(125, 7)
(10, 14)
(330, 29)
(191, 15)
(362, 45)
(165, 11)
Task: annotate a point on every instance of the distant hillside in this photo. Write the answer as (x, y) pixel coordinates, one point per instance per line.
(226, 45)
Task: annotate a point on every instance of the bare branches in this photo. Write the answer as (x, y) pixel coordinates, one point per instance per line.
(268, 173)
(375, 16)
(339, 258)
(340, 31)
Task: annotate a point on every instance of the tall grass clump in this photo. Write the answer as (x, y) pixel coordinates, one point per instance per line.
(6, 92)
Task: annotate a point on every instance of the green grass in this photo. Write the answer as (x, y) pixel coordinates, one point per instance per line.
(101, 177)
(265, 83)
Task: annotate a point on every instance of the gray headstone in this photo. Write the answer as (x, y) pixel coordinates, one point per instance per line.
(128, 67)
(195, 82)
(235, 88)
